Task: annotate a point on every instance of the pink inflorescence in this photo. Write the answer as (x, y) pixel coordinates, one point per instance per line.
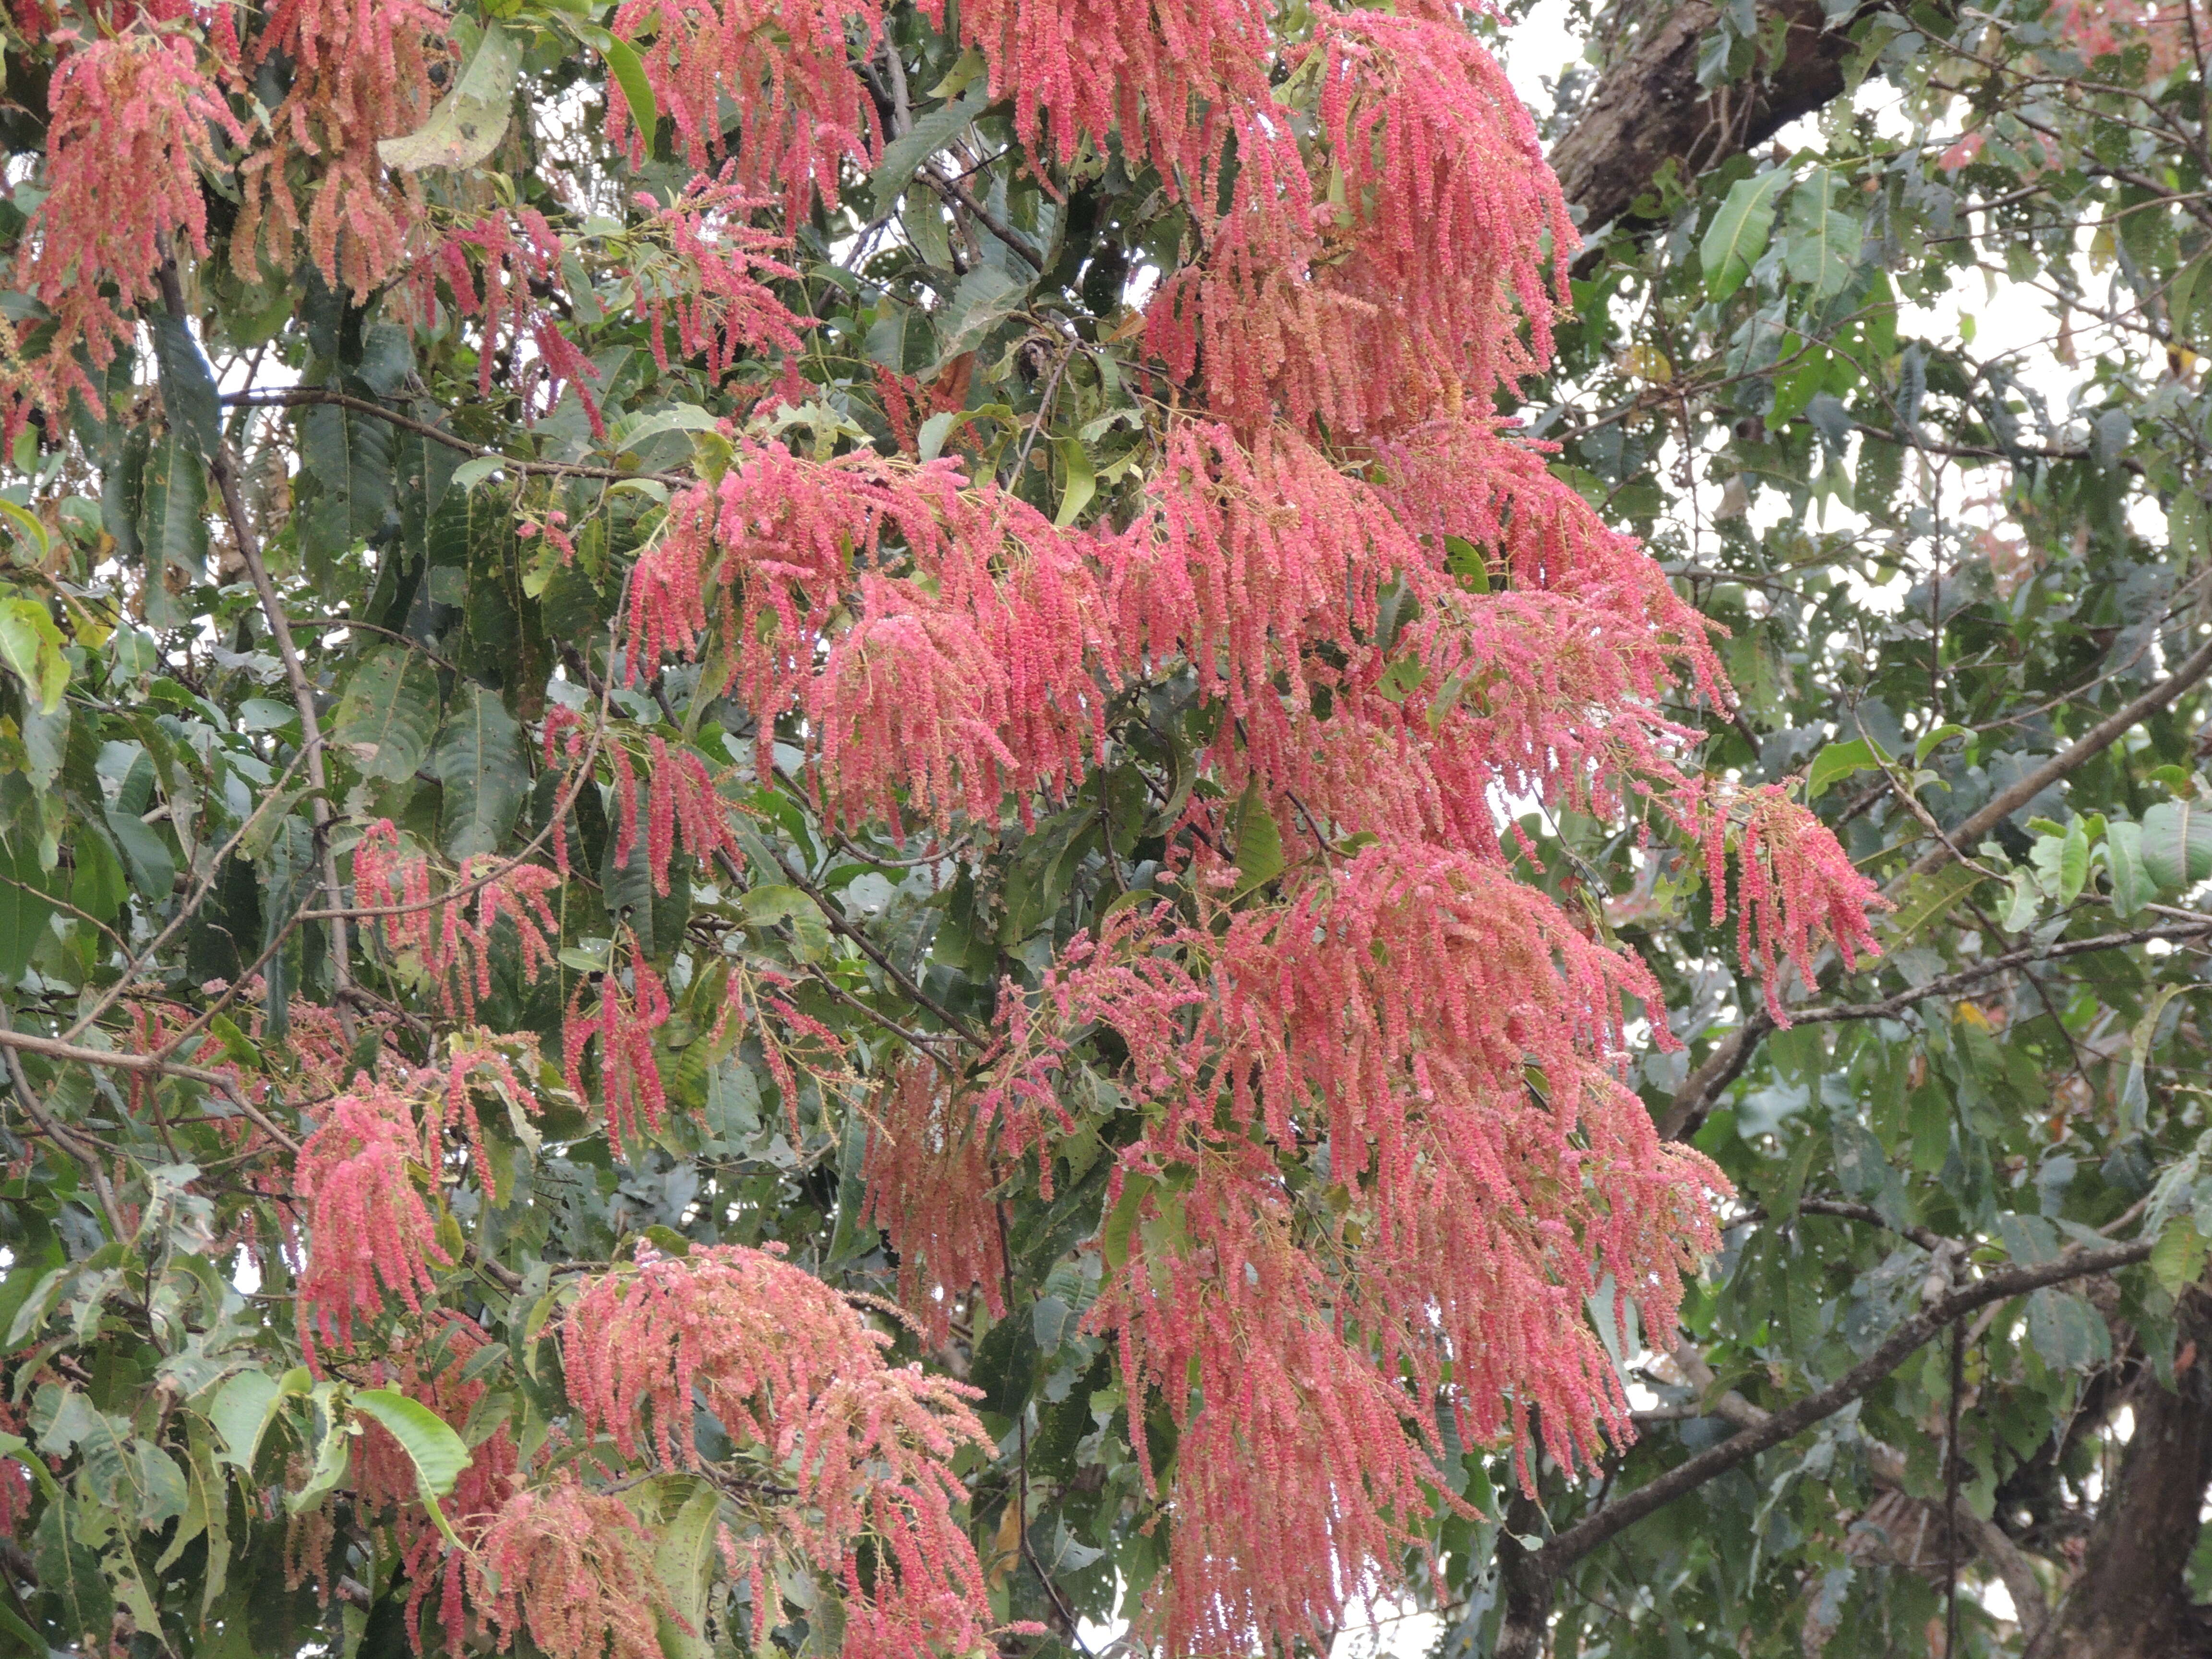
(369, 1230)
(1794, 887)
(135, 116)
(572, 1569)
(452, 932)
(792, 1372)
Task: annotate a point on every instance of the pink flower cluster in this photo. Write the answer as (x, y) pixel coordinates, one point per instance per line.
(794, 1375)
(452, 932)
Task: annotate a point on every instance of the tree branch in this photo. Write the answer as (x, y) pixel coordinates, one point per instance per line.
(1899, 1345)
(2085, 749)
(294, 397)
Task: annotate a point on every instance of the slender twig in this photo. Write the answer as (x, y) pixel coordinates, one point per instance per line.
(294, 397)
(224, 470)
(158, 1064)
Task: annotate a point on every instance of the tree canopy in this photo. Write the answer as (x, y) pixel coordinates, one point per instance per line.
(920, 827)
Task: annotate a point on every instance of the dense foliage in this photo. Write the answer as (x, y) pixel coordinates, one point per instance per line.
(812, 840)
(1908, 396)
(754, 892)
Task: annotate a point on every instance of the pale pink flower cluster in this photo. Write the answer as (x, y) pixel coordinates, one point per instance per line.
(452, 931)
(794, 1375)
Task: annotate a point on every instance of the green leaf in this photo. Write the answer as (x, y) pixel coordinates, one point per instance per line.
(345, 465)
(1467, 566)
(987, 296)
(1929, 896)
(903, 156)
(1258, 842)
(2134, 1090)
(2132, 887)
(1738, 233)
(632, 431)
(2177, 1261)
(98, 887)
(1823, 246)
(479, 759)
(65, 1555)
(685, 1559)
(1840, 760)
(246, 1405)
(2073, 862)
(173, 522)
(2177, 844)
(778, 908)
(389, 714)
(469, 121)
(1935, 739)
(1081, 484)
(26, 888)
(332, 1454)
(1122, 1221)
(2067, 1332)
(32, 646)
(629, 70)
(189, 397)
(152, 868)
(438, 1454)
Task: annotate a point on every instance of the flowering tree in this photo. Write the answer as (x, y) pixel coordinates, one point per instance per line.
(1888, 336)
(759, 879)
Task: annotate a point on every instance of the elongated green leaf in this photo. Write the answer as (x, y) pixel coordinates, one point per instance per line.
(345, 472)
(152, 869)
(685, 1559)
(25, 891)
(903, 156)
(428, 1440)
(31, 645)
(637, 92)
(389, 714)
(173, 522)
(188, 390)
(1081, 483)
(470, 120)
(1929, 896)
(1738, 233)
(987, 296)
(1258, 842)
(1822, 246)
(66, 1557)
(2132, 887)
(479, 760)
(332, 1455)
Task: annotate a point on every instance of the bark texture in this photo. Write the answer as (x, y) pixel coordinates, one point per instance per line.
(2132, 1599)
(1649, 108)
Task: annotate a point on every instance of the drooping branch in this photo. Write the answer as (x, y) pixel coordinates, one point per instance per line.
(1522, 1640)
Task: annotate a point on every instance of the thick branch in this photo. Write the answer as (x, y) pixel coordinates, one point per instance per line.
(1899, 1345)
(2085, 749)
(1650, 110)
